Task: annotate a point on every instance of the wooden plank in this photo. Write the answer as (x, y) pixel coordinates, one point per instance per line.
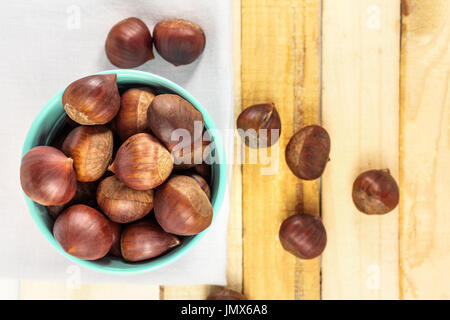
(360, 107)
(425, 151)
(234, 265)
(278, 37)
(234, 248)
(48, 290)
(307, 86)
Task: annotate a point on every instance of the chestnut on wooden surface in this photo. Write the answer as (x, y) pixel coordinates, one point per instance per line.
(144, 240)
(116, 229)
(182, 207)
(91, 149)
(179, 41)
(259, 123)
(92, 99)
(47, 176)
(121, 203)
(85, 194)
(375, 192)
(303, 235)
(132, 116)
(201, 182)
(129, 43)
(307, 152)
(225, 294)
(142, 162)
(83, 232)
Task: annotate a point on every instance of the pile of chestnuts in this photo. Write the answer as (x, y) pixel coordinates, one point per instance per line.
(109, 176)
(375, 192)
(129, 43)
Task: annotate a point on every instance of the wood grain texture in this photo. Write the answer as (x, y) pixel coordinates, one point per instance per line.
(425, 151)
(278, 39)
(360, 108)
(234, 250)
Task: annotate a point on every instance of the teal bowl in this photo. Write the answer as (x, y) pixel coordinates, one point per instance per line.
(49, 120)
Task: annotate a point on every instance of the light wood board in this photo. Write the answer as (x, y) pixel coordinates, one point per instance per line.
(425, 151)
(360, 108)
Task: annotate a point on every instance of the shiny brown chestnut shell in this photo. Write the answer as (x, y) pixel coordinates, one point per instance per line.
(225, 294)
(91, 149)
(142, 162)
(170, 112)
(83, 232)
(201, 182)
(121, 203)
(47, 176)
(129, 43)
(260, 125)
(144, 240)
(179, 41)
(307, 152)
(375, 192)
(185, 157)
(92, 100)
(132, 116)
(181, 207)
(116, 229)
(303, 235)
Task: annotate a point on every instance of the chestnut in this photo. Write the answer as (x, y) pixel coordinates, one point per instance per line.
(132, 116)
(169, 112)
(307, 152)
(256, 118)
(375, 192)
(47, 176)
(303, 235)
(186, 157)
(92, 99)
(83, 232)
(201, 182)
(85, 194)
(116, 229)
(144, 239)
(142, 163)
(181, 207)
(121, 203)
(91, 149)
(179, 41)
(225, 294)
(129, 43)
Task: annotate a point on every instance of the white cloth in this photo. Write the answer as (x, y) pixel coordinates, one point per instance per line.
(48, 44)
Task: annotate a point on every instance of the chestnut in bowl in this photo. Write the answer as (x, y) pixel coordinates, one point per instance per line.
(49, 121)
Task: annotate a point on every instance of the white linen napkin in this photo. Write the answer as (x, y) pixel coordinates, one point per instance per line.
(48, 44)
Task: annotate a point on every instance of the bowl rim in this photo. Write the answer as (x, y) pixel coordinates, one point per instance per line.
(159, 262)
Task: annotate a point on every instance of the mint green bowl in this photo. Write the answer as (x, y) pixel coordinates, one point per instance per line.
(52, 116)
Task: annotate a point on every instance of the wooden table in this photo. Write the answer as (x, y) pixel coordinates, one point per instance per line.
(375, 74)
